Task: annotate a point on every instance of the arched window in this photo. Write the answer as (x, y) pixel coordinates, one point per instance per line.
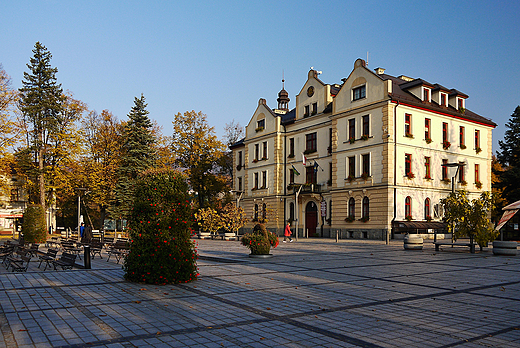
(408, 208)
(264, 211)
(427, 212)
(256, 212)
(365, 211)
(351, 208)
(291, 211)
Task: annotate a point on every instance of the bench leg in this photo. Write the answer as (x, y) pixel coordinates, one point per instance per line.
(437, 247)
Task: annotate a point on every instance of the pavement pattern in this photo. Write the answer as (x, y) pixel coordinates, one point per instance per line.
(311, 293)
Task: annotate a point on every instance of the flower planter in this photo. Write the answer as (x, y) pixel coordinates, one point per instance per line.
(413, 243)
(505, 248)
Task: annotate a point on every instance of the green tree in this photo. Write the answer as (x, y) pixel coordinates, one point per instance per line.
(138, 154)
(198, 151)
(161, 249)
(41, 103)
(467, 218)
(509, 157)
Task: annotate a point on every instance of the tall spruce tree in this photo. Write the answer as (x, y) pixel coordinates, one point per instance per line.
(509, 157)
(41, 100)
(138, 154)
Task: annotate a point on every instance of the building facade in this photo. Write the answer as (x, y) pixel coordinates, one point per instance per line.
(368, 158)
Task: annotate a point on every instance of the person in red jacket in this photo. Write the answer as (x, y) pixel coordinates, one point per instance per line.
(287, 233)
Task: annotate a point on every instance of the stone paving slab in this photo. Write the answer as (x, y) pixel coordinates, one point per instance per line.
(312, 293)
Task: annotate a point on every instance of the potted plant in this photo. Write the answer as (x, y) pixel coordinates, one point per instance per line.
(446, 145)
(364, 137)
(478, 150)
(259, 129)
(428, 218)
(409, 135)
(463, 147)
(352, 140)
(428, 140)
(260, 241)
(478, 185)
(446, 181)
(364, 176)
(364, 219)
(410, 175)
(427, 177)
(408, 218)
(255, 160)
(463, 182)
(350, 178)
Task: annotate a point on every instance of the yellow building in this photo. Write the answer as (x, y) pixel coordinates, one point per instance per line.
(368, 158)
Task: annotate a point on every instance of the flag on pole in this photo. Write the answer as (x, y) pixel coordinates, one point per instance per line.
(304, 159)
(295, 171)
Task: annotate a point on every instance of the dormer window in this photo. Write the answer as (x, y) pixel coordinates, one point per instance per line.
(314, 108)
(426, 94)
(444, 99)
(460, 104)
(359, 92)
(306, 112)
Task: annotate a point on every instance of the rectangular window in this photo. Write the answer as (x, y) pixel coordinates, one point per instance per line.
(239, 159)
(443, 99)
(427, 168)
(444, 169)
(306, 111)
(426, 94)
(291, 176)
(462, 176)
(477, 173)
(365, 162)
(462, 139)
(366, 125)
(330, 174)
(239, 183)
(407, 124)
(314, 108)
(352, 167)
(260, 124)
(427, 126)
(255, 176)
(444, 132)
(359, 92)
(257, 152)
(311, 142)
(264, 179)
(477, 140)
(407, 164)
(460, 103)
(264, 156)
(310, 175)
(352, 129)
(291, 147)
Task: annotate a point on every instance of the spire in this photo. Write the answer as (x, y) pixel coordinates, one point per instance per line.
(283, 97)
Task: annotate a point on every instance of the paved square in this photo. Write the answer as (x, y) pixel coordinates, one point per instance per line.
(313, 293)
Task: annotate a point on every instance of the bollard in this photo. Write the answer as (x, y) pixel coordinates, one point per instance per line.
(86, 256)
(337, 236)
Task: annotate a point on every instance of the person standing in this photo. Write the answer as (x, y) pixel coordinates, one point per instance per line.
(287, 233)
(81, 230)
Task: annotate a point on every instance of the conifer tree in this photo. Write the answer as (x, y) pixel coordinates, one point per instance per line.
(138, 154)
(41, 104)
(509, 157)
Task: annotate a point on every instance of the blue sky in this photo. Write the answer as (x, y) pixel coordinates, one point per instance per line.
(220, 57)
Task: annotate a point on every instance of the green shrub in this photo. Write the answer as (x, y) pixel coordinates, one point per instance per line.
(34, 227)
(260, 240)
(161, 250)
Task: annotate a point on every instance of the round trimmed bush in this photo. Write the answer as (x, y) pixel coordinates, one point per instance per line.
(34, 227)
(161, 250)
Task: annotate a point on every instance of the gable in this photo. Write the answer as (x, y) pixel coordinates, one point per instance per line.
(262, 122)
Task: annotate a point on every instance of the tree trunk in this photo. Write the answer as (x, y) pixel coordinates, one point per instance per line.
(41, 183)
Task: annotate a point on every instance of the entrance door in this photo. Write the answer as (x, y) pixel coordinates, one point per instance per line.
(311, 218)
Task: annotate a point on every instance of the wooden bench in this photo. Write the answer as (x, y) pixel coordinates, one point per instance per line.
(119, 249)
(69, 247)
(7, 251)
(470, 245)
(14, 257)
(20, 265)
(48, 257)
(95, 248)
(66, 261)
